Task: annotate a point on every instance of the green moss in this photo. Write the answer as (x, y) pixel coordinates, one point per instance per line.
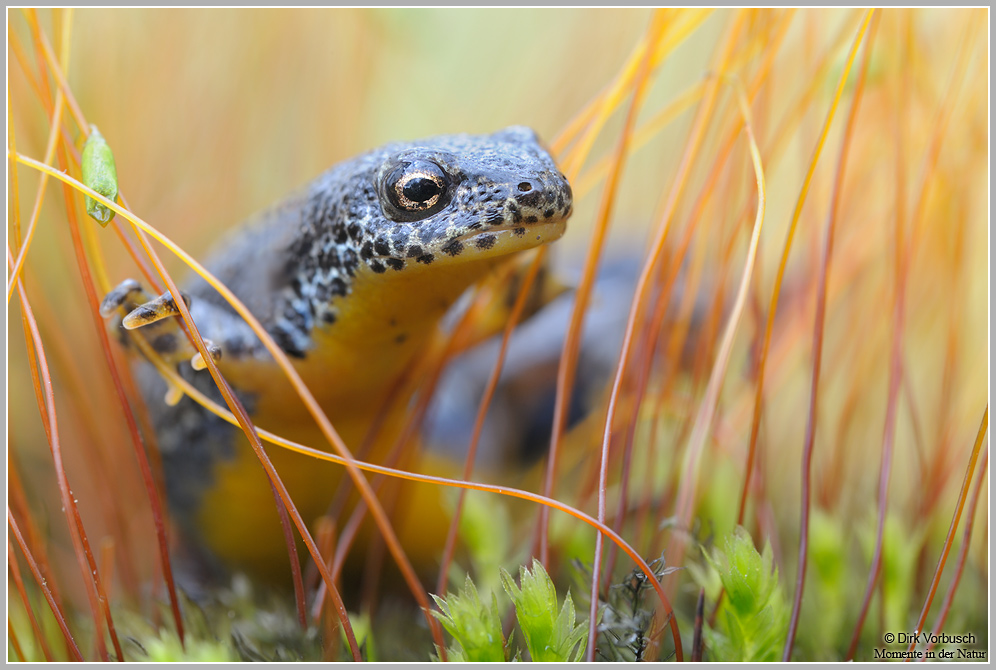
(753, 617)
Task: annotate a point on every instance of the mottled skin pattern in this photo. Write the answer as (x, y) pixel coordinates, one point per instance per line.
(350, 276)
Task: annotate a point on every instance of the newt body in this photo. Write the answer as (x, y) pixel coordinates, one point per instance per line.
(351, 277)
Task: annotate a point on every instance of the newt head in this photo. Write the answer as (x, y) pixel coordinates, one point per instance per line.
(457, 198)
(413, 225)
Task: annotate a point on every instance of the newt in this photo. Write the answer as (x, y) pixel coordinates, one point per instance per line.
(351, 276)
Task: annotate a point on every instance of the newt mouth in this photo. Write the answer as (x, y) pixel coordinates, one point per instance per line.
(476, 245)
(507, 239)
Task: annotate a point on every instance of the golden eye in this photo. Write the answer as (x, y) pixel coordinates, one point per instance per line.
(415, 190)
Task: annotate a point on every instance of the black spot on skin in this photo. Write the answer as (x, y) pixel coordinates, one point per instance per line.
(330, 258)
(296, 286)
(532, 198)
(355, 231)
(378, 267)
(414, 251)
(350, 261)
(548, 213)
(295, 318)
(453, 247)
(145, 313)
(366, 253)
(286, 342)
(382, 247)
(531, 219)
(337, 286)
(519, 232)
(401, 337)
(560, 201)
(474, 226)
(494, 217)
(339, 231)
(486, 241)
(425, 258)
(329, 317)
(395, 263)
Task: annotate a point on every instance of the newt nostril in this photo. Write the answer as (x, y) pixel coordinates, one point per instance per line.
(529, 193)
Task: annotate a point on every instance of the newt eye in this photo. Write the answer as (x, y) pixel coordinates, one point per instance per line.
(414, 190)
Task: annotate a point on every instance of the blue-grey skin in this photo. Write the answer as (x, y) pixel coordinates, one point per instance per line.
(294, 265)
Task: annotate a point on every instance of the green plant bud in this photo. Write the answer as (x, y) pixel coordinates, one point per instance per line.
(100, 175)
